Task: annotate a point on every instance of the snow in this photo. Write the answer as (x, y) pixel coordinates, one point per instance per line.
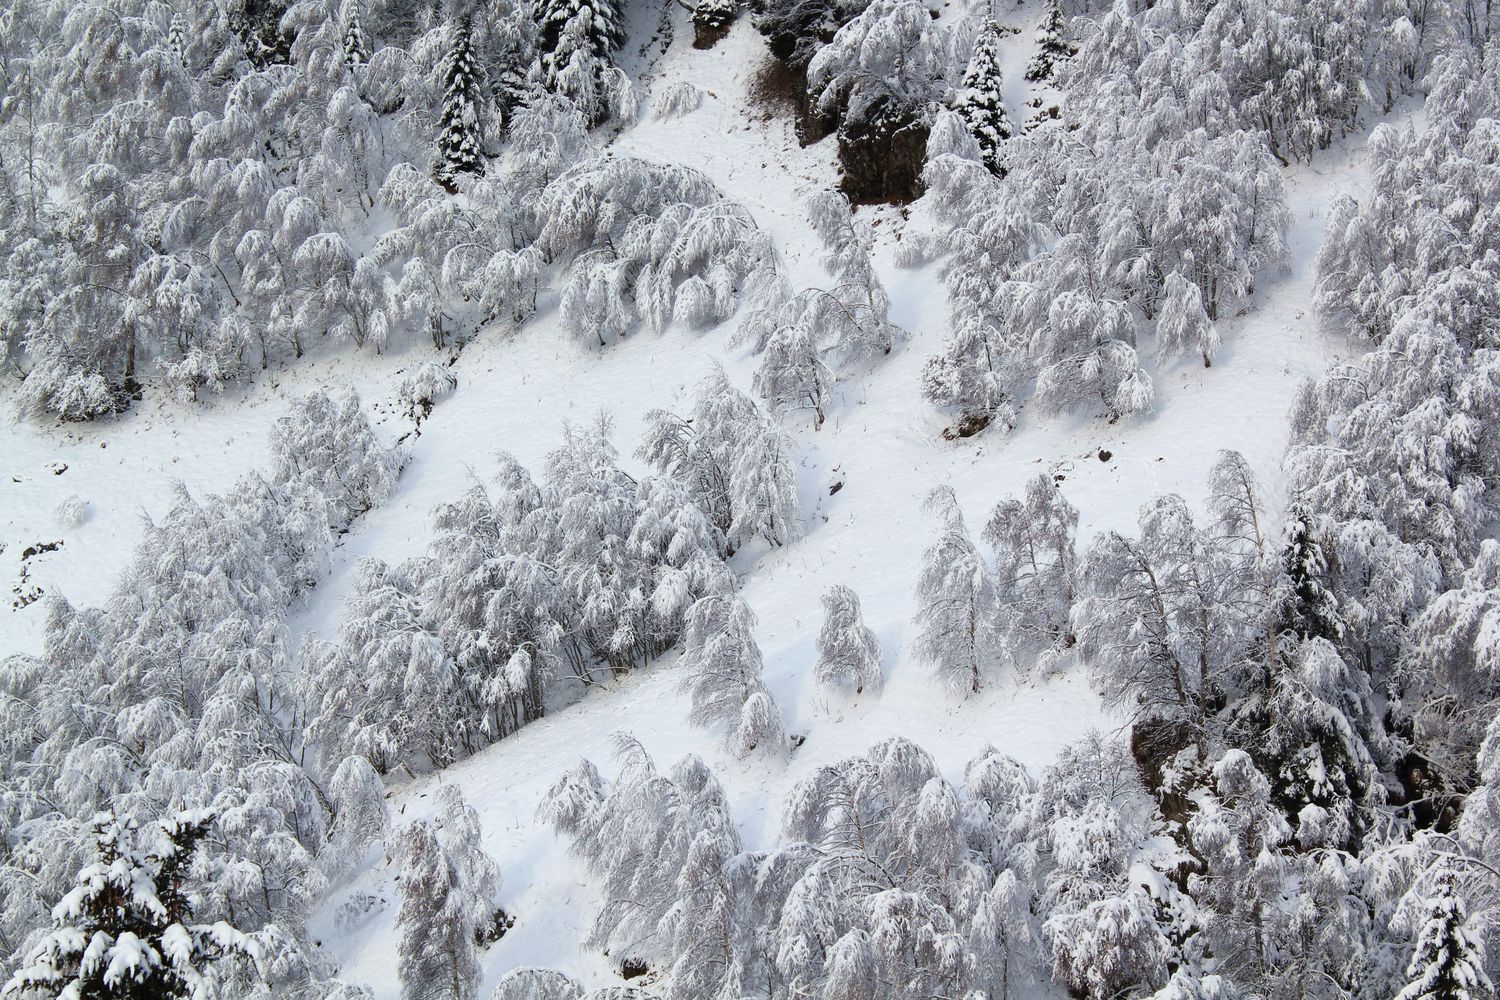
(881, 442)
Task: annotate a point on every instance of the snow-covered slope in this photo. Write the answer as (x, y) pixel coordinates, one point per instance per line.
(881, 448)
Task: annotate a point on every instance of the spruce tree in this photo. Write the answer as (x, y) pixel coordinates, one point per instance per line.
(1052, 47)
(258, 25)
(123, 931)
(356, 45)
(177, 39)
(511, 85)
(576, 40)
(1309, 609)
(458, 141)
(714, 14)
(605, 31)
(1448, 963)
(981, 103)
(711, 21)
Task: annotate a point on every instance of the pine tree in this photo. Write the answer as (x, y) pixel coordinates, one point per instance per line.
(1315, 746)
(606, 31)
(981, 103)
(1448, 963)
(258, 25)
(458, 140)
(711, 19)
(1052, 47)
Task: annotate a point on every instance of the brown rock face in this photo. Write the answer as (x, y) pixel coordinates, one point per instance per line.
(882, 159)
(707, 34)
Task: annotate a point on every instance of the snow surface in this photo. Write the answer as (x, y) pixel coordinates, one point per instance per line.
(882, 442)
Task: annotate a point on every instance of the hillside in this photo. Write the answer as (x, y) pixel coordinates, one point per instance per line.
(150, 707)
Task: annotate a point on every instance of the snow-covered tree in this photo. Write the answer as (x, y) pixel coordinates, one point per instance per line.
(956, 603)
(885, 812)
(1316, 744)
(1449, 665)
(676, 99)
(1088, 354)
(1449, 957)
(711, 18)
(635, 837)
(360, 817)
(983, 366)
(854, 312)
(1100, 917)
(478, 877)
(848, 652)
(1052, 44)
(459, 140)
(387, 690)
(326, 445)
(1157, 619)
(723, 677)
(1109, 946)
(765, 482)
(436, 954)
(887, 61)
(648, 245)
(125, 930)
(1477, 830)
(981, 101)
(1241, 834)
(84, 358)
(734, 462)
(1310, 608)
(1183, 327)
(576, 42)
(1036, 567)
(421, 390)
(792, 374)
(536, 984)
(356, 44)
(796, 29)
(880, 79)
(1002, 939)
